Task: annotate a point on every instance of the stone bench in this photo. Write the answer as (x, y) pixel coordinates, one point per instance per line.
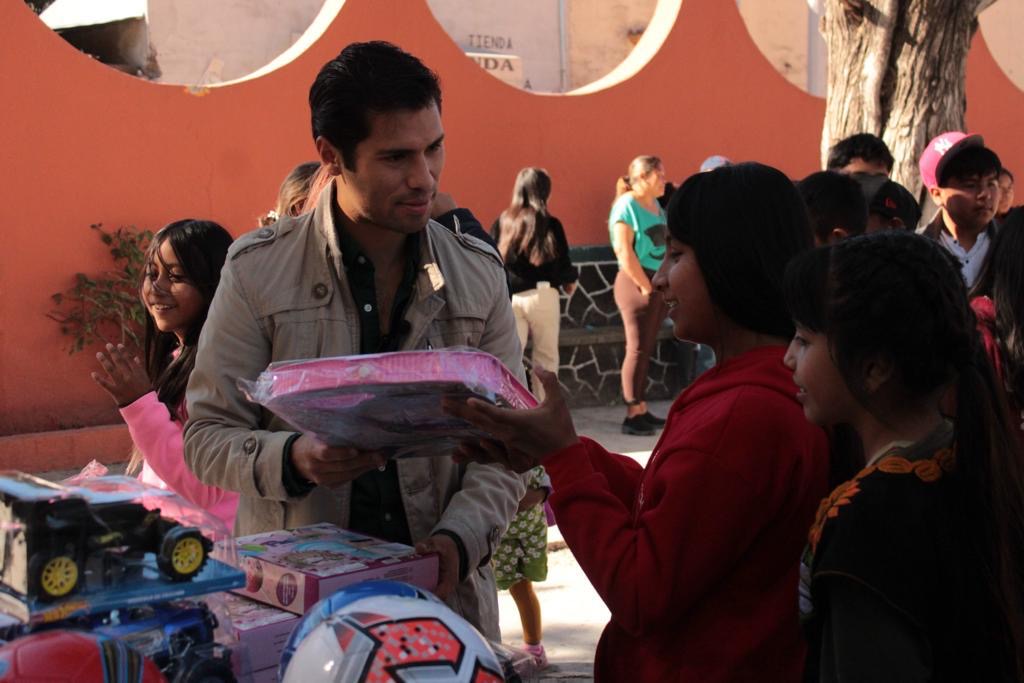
(591, 359)
(592, 340)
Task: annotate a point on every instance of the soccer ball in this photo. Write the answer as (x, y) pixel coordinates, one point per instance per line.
(393, 639)
(75, 657)
(322, 610)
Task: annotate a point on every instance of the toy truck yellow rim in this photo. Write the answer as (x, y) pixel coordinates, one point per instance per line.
(187, 556)
(59, 576)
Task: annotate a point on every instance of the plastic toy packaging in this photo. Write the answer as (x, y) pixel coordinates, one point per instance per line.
(517, 665)
(103, 544)
(186, 640)
(387, 401)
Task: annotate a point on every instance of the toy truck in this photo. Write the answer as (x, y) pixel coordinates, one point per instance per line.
(177, 636)
(52, 536)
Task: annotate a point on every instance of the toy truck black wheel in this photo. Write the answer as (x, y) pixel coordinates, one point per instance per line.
(183, 552)
(206, 671)
(54, 576)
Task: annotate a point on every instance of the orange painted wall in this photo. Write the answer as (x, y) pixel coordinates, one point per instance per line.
(81, 143)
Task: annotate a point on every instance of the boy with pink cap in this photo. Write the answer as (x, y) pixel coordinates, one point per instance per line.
(962, 177)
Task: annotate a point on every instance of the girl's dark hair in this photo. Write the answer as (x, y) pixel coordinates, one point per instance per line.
(524, 227)
(201, 248)
(744, 223)
(806, 288)
(900, 296)
(808, 311)
(1002, 280)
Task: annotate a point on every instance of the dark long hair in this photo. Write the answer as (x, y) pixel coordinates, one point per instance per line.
(524, 227)
(901, 296)
(744, 223)
(1002, 280)
(201, 248)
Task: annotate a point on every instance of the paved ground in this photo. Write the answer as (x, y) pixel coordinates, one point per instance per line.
(573, 614)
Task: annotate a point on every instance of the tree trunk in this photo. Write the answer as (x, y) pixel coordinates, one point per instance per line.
(897, 68)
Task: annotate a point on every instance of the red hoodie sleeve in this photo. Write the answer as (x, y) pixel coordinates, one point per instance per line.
(985, 312)
(621, 473)
(701, 512)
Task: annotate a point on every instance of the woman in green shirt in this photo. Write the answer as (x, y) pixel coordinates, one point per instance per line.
(637, 228)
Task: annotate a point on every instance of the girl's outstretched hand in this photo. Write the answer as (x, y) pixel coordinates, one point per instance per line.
(521, 438)
(124, 378)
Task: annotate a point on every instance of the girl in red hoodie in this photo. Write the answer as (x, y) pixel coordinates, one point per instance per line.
(696, 555)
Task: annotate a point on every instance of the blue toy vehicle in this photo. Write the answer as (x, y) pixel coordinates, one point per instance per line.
(177, 636)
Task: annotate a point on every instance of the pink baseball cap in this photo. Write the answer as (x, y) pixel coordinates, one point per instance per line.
(941, 150)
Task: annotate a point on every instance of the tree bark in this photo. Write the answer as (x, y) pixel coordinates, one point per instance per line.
(897, 68)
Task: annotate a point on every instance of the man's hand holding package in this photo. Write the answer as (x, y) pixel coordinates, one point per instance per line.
(448, 562)
(327, 465)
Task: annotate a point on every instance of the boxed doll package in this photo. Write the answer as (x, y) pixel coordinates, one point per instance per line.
(293, 569)
(262, 629)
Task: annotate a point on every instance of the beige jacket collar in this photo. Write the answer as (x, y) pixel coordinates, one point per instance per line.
(429, 282)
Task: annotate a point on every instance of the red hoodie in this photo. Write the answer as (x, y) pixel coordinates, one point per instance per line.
(985, 311)
(696, 555)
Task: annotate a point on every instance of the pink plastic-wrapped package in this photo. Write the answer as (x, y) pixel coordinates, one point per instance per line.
(386, 401)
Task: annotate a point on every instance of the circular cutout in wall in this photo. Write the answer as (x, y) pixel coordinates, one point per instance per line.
(786, 32)
(545, 46)
(189, 42)
(1001, 25)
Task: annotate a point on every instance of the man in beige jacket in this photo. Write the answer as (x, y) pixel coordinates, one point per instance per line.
(366, 271)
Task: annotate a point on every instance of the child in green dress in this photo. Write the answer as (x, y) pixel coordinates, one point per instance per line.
(522, 558)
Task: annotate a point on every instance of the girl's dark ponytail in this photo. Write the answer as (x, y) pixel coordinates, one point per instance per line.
(990, 466)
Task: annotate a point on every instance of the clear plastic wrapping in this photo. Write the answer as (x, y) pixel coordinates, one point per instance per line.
(105, 543)
(387, 401)
(518, 665)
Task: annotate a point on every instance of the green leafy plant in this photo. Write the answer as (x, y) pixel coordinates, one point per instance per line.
(106, 307)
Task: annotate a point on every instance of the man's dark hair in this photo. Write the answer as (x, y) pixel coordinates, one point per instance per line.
(969, 163)
(367, 78)
(864, 146)
(834, 201)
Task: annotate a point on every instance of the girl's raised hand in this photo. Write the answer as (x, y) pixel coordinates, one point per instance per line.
(521, 438)
(123, 378)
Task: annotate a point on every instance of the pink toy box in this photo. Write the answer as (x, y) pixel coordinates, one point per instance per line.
(295, 568)
(386, 401)
(264, 630)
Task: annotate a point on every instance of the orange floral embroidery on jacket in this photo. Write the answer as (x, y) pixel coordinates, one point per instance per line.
(928, 470)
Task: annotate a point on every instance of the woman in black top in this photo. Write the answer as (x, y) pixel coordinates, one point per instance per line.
(536, 254)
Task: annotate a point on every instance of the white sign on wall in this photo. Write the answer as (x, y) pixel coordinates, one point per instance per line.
(508, 68)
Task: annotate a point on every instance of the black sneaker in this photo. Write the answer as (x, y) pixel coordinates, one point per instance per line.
(637, 426)
(653, 420)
